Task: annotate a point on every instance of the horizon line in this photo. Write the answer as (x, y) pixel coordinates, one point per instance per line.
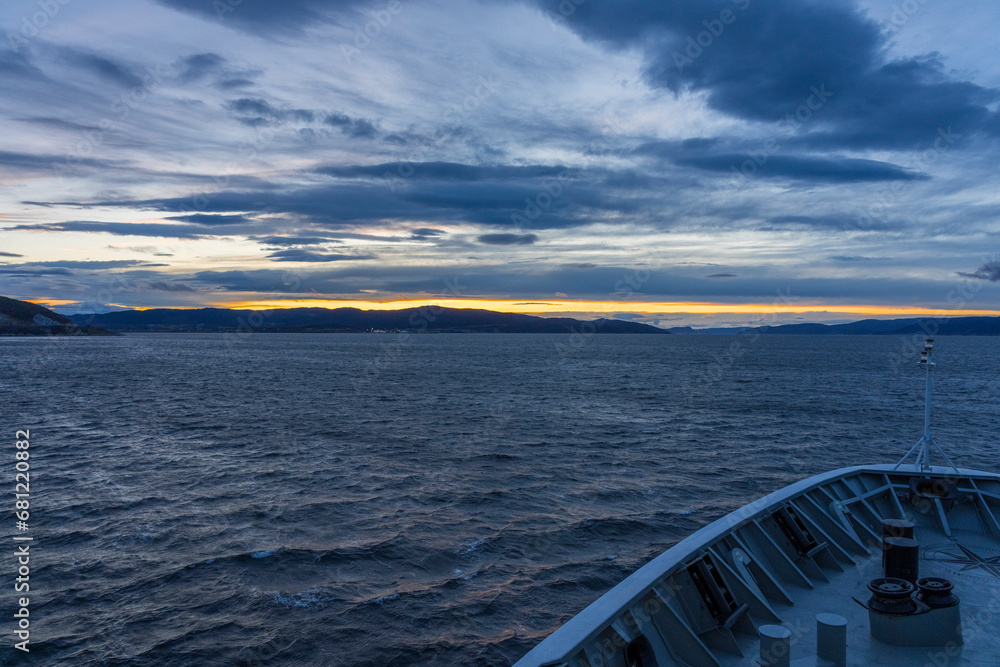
(565, 306)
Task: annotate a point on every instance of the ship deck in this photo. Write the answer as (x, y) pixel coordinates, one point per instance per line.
(768, 572)
(977, 585)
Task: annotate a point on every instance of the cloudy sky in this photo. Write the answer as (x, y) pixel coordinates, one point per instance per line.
(683, 162)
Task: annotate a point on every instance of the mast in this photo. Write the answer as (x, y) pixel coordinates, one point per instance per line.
(923, 446)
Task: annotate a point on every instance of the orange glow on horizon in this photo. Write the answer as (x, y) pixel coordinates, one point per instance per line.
(639, 307)
(48, 303)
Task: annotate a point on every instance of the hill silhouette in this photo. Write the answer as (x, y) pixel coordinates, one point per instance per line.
(23, 318)
(430, 319)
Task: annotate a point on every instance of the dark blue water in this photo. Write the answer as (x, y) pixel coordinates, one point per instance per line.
(433, 499)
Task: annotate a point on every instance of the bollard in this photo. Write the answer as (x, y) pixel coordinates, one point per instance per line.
(831, 638)
(775, 645)
(897, 528)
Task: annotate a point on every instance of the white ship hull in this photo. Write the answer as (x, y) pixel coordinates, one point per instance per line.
(808, 549)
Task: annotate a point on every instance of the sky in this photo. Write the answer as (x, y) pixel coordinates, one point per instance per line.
(711, 162)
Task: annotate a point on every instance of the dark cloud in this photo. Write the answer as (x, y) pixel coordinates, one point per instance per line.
(989, 271)
(162, 286)
(232, 84)
(106, 68)
(73, 267)
(214, 69)
(721, 275)
(425, 233)
(123, 229)
(27, 270)
(767, 58)
(442, 171)
(10, 254)
(541, 283)
(95, 265)
(526, 204)
(199, 66)
(266, 18)
(508, 239)
(42, 162)
(211, 220)
(855, 258)
(293, 240)
(18, 64)
(300, 255)
(256, 112)
(360, 128)
(831, 221)
(833, 170)
(59, 124)
(771, 161)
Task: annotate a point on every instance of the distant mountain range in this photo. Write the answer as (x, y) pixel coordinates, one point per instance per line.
(932, 326)
(348, 320)
(22, 318)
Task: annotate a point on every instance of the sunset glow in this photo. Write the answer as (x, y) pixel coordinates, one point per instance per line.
(610, 307)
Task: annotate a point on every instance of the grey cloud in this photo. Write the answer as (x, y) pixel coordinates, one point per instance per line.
(508, 239)
(214, 69)
(94, 265)
(768, 58)
(10, 254)
(541, 283)
(59, 124)
(162, 286)
(755, 161)
(199, 66)
(256, 112)
(18, 64)
(231, 84)
(211, 220)
(267, 19)
(423, 233)
(330, 206)
(443, 171)
(106, 68)
(300, 255)
(353, 127)
(294, 240)
(41, 162)
(989, 271)
(123, 229)
(29, 270)
(833, 221)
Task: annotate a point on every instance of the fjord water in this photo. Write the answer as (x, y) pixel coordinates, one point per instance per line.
(383, 500)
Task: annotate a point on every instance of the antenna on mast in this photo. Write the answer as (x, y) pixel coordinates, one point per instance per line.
(923, 446)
